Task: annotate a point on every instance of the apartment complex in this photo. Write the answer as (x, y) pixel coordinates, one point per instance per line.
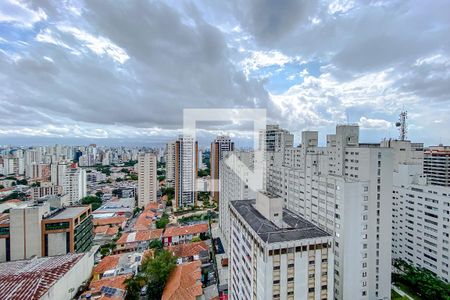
(71, 178)
(170, 164)
(421, 214)
(345, 189)
(186, 150)
(276, 254)
(436, 165)
(147, 179)
(274, 139)
(218, 147)
(236, 168)
(36, 230)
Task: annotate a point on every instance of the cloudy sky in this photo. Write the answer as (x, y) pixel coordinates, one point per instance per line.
(125, 70)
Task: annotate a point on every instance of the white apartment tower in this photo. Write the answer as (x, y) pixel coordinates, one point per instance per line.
(345, 189)
(276, 254)
(186, 156)
(236, 168)
(74, 184)
(421, 214)
(218, 147)
(147, 179)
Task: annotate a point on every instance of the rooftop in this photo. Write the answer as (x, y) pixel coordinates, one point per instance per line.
(184, 282)
(31, 279)
(296, 228)
(69, 212)
(107, 263)
(184, 230)
(140, 236)
(111, 288)
(187, 250)
(109, 221)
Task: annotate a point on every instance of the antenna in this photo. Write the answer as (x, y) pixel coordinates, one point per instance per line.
(401, 125)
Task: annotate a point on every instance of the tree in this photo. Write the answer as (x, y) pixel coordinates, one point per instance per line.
(95, 201)
(134, 286)
(421, 281)
(162, 223)
(158, 270)
(154, 274)
(196, 239)
(169, 192)
(2, 187)
(22, 182)
(157, 245)
(161, 178)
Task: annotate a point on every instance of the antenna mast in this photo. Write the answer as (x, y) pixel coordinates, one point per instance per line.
(401, 125)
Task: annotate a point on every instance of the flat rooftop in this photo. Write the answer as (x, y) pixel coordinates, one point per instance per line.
(294, 227)
(68, 212)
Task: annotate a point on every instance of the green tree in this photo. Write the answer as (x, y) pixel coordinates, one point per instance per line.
(163, 221)
(196, 239)
(95, 201)
(158, 270)
(157, 245)
(22, 182)
(170, 192)
(134, 286)
(2, 187)
(154, 274)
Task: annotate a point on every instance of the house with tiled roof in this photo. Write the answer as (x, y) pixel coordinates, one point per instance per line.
(111, 221)
(107, 263)
(111, 288)
(190, 252)
(57, 277)
(183, 234)
(184, 282)
(118, 264)
(145, 220)
(104, 234)
(133, 241)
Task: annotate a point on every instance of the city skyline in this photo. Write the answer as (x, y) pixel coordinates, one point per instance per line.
(77, 67)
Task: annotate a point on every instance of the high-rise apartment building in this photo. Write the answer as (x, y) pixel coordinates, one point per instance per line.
(345, 189)
(236, 167)
(186, 150)
(276, 254)
(170, 164)
(421, 214)
(74, 184)
(436, 165)
(274, 139)
(147, 179)
(218, 147)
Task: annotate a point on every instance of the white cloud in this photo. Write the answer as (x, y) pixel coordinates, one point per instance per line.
(20, 14)
(261, 59)
(367, 123)
(98, 45)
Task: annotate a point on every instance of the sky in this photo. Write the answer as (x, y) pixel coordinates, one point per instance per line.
(106, 71)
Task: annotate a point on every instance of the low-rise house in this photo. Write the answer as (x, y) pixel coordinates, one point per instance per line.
(137, 240)
(190, 252)
(111, 288)
(184, 282)
(183, 234)
(118, 264)
(52, 278)
(111, 221)
(105, 234)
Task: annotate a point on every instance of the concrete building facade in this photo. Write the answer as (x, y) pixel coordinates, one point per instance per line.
(147, 179)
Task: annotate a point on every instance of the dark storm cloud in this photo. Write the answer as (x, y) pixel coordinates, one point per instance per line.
(175, 61)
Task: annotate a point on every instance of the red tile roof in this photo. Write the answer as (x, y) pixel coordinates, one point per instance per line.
(107, 230)
(140, 236)
(144, 221)
(109, 221)
(188, 250)
(185, 230)
(107, 263)
(31, 279)
(184, 282)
